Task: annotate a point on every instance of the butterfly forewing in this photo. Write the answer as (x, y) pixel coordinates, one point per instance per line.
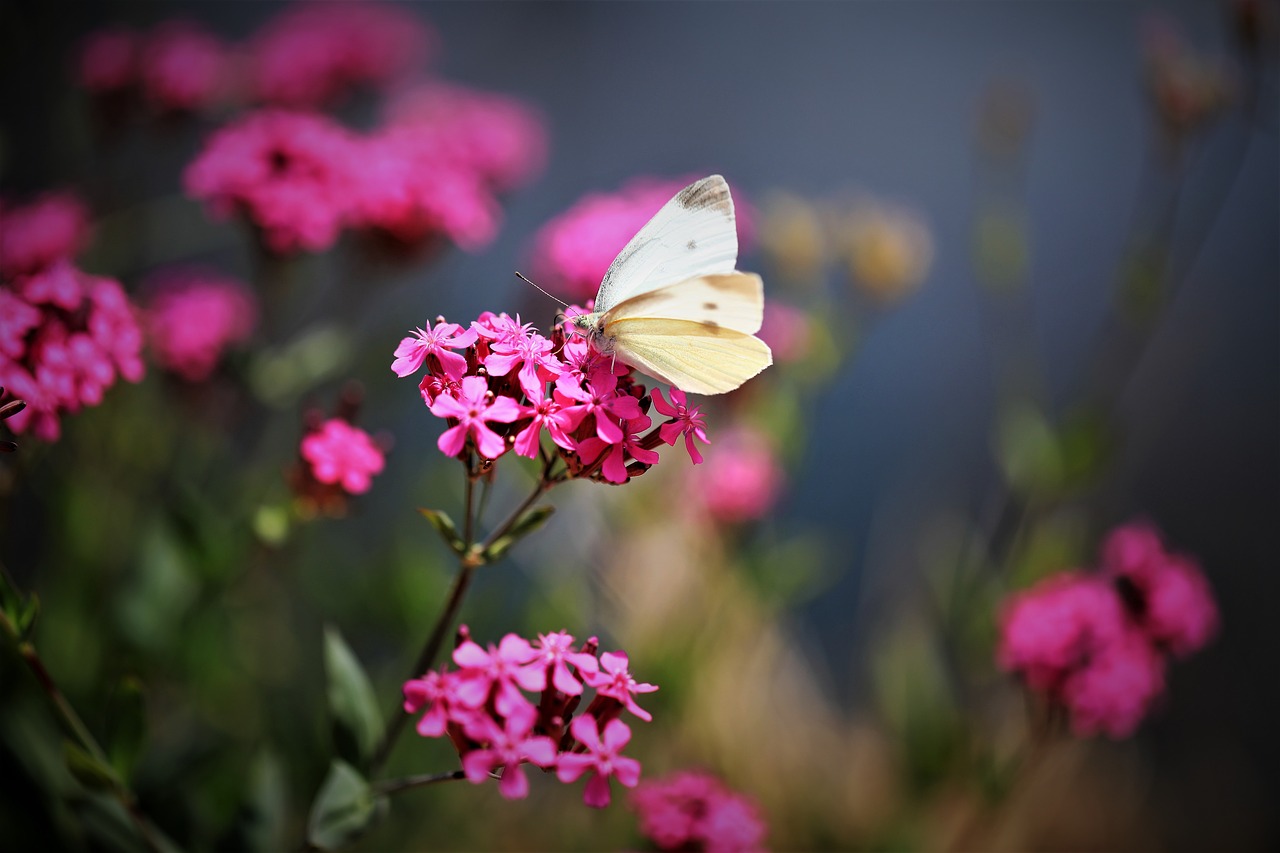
(692, 235)
(733, 301)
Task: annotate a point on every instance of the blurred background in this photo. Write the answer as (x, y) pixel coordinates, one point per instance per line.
(1033, 255)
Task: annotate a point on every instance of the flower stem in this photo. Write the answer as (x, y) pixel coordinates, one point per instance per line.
(395, 786)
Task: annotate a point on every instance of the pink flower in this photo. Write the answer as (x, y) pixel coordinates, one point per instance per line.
(556, 413)
(312, 53)
(572, 252)
(1116, 688)
(1058, 626)
(437, 342)
(192, 317)
(602, 399)
(52, 228)
(342, 453)
(533, 353)
(556, 654)
(474, 410)
(435, 691)
(741, 481)
(184, 67)
(108, 60)
(692, 810)
(614, 680)
(630, 445)
(411, 190)
(508, 747)
(603, 758)
(1171, 597)
(685, 420)
(17, 318)
(786, 330)
(502, 672)
(494, 136)
(291, 174)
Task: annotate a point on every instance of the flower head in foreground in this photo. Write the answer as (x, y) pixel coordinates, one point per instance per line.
(193, 316)
(692, 810)
(482, 707)
(1095, 642)
(500, 385)
(572, 252)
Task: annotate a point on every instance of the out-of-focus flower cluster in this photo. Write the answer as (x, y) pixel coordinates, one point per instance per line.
(336, 459)
(65, 335)
(572, 252)
(1187, 88)
(308, 56)
(482, 708)
(435, 170)
(500, 384)
(743, 478)
(193, 316)
(1095, 643)
(693, 810)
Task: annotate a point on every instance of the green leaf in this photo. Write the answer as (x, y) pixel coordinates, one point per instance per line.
(526, 524)
(357, 725)
(126, 725)
(345, 807)
(443, 524)
(1028, 450)
(92, 773)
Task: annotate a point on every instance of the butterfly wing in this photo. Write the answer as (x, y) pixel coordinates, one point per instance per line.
(696, 357)
(692, 235)
(733, 301)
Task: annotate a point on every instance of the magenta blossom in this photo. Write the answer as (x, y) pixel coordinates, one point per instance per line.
(532, 353)
(474, 408)
(34, 236)
(742, 479)
(502, 672)
(1115, 690)
(184, 67)
(342, 453)
(556, 413)
(693, 810)
(434, 342)
(602, 758)
(192, 317)
(292, 174)
(556, 654)
(685, 420)
(108, 60)
(509, 746)
(614, 680)
(614, 465)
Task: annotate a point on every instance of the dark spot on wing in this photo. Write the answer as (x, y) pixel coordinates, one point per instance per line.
(710, 306)
(691, 245)
(711, 324)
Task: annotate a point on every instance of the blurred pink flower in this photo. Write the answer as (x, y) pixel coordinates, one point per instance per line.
(412, 191)
(1169, 593)
(312, 53)
(494, 136)
(108, 60)
(572, 252)
(509, 746)
(193, 316)
(1115, 688)
(603, 758)
(291, 174)
(613, 679)
(692, 810)
(786, 330)
(341, 453)
(1058, 626)
(51, 228)
(64, 338)
(184, 67)
(741, 480)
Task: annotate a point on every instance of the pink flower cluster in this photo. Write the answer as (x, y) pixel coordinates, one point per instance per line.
(482, 708)
(500, 384)
(313, 53)
(192, 316)
(693, 810)
(64, 335)
(178, 66)
(300, 177)
(342, 454)
(1095, 643)
(743, 478)
(572, 252)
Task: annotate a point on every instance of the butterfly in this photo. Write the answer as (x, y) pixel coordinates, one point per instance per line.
(672, 305)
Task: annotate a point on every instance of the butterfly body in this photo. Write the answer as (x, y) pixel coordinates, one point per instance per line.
(672, 305)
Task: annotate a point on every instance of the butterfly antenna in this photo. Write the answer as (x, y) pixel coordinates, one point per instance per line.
(525, 279)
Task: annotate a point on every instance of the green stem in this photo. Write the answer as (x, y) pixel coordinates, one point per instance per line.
(395, 786)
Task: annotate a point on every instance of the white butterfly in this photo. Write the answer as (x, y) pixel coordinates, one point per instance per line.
(672, 304)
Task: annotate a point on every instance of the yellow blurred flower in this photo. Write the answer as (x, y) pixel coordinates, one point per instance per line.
(888, 249)
(792, 236)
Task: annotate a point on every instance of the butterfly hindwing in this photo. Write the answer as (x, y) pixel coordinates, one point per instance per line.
(733, 301)
(696, 357)
(693, 235)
